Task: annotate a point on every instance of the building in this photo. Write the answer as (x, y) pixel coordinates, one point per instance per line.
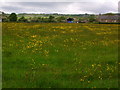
(108, 18)
(70, 20)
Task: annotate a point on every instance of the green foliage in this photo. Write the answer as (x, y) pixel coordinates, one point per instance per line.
(82, 19)
(51, 18)
(109, 14)
(13, 17)
(22, 19)
(92, 19)
(34, 19)
(61, 19)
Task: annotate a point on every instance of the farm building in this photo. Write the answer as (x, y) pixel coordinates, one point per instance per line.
(109, 18)
(70, 20)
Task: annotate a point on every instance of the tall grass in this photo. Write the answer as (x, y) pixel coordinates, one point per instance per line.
(57, 55)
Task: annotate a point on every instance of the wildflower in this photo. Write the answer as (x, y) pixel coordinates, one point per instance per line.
(88, 81)
(34, 36)
(93, 65)
(81, 80)
(84, 48)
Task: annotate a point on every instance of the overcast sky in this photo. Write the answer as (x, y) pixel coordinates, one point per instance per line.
(95, 7)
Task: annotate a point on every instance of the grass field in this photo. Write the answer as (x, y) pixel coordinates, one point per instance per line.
(52, 55)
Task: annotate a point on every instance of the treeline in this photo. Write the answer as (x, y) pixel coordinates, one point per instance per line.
(13, 18)
(58, 19)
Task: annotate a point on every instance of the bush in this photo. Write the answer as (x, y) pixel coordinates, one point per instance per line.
(51, 18)
(61, 19)
(23, 19)
(13, 17)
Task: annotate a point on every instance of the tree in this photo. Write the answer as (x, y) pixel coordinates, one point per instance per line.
(109, 14)
(61, 19)
(51, 18)
(22, 19)
(92, 19)
(13, 17)
(45, 20)
(34, 19)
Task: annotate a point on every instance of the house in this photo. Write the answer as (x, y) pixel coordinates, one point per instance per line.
(70, 20)
(108, 18)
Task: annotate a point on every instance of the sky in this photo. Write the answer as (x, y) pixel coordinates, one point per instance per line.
(57, 6)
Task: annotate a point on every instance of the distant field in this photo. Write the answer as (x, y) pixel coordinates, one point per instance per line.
(53, 55)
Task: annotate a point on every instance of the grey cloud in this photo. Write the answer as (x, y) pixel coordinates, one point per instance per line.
(98, 7)
(61, 7)
(43, 4)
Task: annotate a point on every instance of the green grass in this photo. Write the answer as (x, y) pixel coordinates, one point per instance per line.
(56, 55)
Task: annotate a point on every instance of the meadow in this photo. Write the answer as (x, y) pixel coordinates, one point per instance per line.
(59, 55)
